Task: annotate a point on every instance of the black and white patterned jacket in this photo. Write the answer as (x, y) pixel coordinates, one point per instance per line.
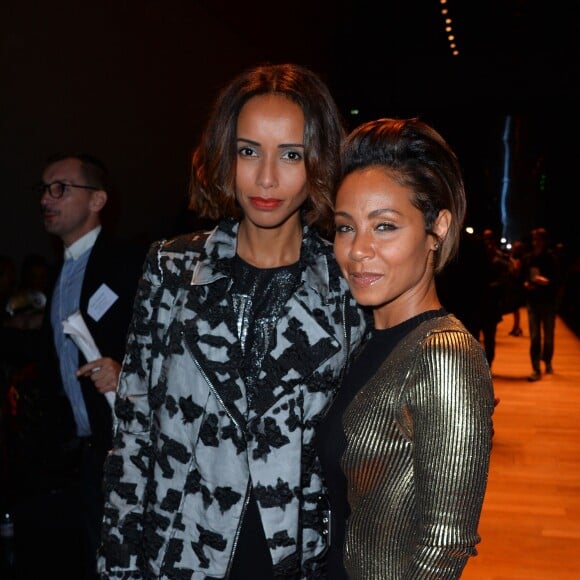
(186, 447)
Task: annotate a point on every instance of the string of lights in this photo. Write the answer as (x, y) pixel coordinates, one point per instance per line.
(448, 22)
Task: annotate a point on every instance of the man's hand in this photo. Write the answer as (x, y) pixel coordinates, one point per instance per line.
(104, 372)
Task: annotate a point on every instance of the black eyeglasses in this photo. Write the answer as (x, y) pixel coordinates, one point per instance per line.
(56, 189)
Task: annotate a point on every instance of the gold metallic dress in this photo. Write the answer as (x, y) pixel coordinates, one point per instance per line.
(418, 447)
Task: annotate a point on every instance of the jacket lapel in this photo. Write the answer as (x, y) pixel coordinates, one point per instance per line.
(300, 346)
(211, 339)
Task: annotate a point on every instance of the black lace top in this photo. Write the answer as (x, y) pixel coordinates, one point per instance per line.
(259, 295)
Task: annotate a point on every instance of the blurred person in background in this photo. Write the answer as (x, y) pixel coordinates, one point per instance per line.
(499, 268)
(26, 305)
(515, 294)
(541, 272)
(98, 277)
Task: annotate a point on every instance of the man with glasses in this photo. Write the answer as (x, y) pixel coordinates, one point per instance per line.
(98, 278)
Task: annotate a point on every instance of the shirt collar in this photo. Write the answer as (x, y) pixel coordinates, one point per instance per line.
(78, 248)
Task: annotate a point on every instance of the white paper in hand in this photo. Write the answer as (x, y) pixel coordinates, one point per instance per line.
(76, 328)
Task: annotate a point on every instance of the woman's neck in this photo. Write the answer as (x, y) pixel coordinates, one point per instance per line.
(269, 247)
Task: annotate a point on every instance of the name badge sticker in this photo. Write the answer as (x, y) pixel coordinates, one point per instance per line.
(101, 301)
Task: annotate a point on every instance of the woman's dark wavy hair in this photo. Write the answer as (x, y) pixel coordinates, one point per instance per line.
(213, 172)
(417, 157)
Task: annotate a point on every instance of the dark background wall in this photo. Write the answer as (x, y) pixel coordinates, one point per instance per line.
(132, 82)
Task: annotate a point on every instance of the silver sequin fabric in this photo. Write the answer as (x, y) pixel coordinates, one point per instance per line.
(418, 446)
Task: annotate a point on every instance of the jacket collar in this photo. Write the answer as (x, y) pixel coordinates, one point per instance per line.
(215, 261)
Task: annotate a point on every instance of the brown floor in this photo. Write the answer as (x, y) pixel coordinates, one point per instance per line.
(530, 525)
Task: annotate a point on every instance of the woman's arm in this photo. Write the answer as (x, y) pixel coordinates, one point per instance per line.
(127, 464)
(452, 431)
